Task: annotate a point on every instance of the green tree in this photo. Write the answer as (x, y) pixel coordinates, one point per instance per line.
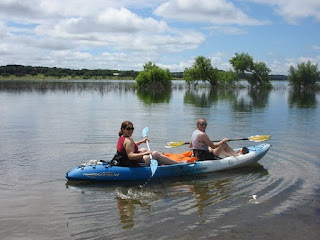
(243, 63)
(227, 78)
(201, 70)
(153, 77)
(305, 76)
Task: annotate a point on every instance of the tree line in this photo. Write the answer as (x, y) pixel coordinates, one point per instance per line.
(304, 77)
(21, 71)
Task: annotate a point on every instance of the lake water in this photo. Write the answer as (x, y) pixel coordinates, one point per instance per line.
(48, 128)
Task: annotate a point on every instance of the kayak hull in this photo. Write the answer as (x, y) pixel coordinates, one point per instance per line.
(106, 172)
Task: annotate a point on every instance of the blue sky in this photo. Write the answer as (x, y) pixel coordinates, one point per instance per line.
(125, 34)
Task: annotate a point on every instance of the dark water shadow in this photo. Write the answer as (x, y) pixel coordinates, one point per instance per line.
(205, 98)
(302, 99)
(154, 96)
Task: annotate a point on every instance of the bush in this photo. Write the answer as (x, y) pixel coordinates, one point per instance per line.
(153, 77)
(305, 76)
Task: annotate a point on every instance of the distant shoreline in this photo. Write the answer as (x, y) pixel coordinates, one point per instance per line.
(41, 77)
(20, 72)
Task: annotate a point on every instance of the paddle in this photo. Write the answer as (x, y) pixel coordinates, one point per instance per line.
(153, 162)
(256, 138)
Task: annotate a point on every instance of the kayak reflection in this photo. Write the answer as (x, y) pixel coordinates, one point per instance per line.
(194, 194)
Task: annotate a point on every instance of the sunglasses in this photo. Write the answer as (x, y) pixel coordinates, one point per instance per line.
(203, 124)
(129, 128)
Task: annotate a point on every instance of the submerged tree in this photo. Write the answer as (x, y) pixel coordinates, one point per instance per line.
(203, 70)
(153, 77)
(259, 72)
(305, 76)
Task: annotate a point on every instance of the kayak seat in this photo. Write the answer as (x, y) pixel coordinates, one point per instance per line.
(244, 150)
(181, 157)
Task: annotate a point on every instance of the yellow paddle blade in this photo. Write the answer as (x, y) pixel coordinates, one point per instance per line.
(175, 144)
(259, 138)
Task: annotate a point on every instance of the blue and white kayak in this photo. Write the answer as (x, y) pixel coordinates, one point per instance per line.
(96, 170)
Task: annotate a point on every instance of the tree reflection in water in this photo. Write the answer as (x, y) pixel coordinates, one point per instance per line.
(66, 86)
(240, 99)
(154, 96)
(302, 99)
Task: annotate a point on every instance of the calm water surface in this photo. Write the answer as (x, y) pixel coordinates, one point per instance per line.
(48, 128)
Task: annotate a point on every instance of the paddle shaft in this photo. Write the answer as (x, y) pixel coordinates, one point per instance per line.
(149, 149)
(235, 139)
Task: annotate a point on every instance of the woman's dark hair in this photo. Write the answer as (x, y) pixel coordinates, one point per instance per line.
(123, 126)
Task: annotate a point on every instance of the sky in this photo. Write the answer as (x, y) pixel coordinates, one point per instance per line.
(126, 34)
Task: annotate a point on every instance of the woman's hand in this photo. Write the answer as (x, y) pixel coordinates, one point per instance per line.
(147, 152)
(142, 141)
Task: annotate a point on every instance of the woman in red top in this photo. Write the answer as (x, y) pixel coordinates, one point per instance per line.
(130, 148)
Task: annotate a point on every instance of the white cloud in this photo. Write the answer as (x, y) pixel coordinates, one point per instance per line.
(19, 9)
(76, 26)
(124, 20)
(3, 31)
(294, 10)
(220, 60)
(316, 47)
(4, 49)
(178, 67)
(109, 21)
(214, 12)
(278, 67)
(125, 34)
(283, 66)
(226, 30)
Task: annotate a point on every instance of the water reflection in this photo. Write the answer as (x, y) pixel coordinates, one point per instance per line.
(36, 126)
(204, 193)
(187, 195)
(154, 96)
(259, 97)
(241, 99)
(302, 99)
(66, 86)
(206, 97)
(127, 202)
(148, 97)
